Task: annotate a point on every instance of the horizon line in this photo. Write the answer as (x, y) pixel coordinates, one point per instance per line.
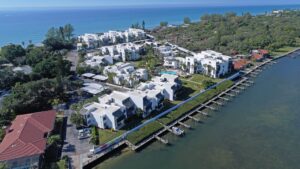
(140, 6)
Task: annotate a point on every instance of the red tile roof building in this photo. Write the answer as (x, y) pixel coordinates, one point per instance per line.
(257, 57)
(260, 54)
(240, 64)
(26, 139)
(263, 52)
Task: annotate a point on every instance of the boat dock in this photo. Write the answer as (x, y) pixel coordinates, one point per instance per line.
(218, 100)
(191, 115)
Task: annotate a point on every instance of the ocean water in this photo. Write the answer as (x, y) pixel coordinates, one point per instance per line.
(258, 129)
(18, 26)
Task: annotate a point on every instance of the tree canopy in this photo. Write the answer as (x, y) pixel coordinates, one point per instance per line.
(34, 96)
(59, 38)
(230, 32)
(12, 52)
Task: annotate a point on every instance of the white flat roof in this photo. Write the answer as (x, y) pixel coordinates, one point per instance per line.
(119, 95)
(103, 108)
(93, 88)
(100, 77)
(88, 75)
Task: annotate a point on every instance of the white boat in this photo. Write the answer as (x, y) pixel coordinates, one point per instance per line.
(177, 131)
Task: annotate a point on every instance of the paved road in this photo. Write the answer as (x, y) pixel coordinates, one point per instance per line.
(73, 147)
(110, 86)
(73, 57)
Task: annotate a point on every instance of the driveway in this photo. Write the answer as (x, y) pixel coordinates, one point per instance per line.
(73, 147)
(73, 57)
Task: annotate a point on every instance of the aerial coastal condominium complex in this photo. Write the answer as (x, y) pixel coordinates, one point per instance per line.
(113, 109)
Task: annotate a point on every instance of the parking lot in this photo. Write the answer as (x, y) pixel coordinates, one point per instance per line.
(73, 146)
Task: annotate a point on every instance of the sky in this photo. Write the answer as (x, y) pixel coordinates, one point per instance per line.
(105, 3)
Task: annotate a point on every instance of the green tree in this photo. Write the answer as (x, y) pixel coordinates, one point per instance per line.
(186, 20)
(143, 25)
(163, 24)
(2, 134)
(95, 136)
(77, 119)
(12, 52)
(3, 166)
(35, 55)
(59, 38)
(53, 140)
(111, 76)
(68, 31)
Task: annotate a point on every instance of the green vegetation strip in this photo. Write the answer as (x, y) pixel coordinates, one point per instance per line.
(151, 128)
(107, 135)
(144, 132)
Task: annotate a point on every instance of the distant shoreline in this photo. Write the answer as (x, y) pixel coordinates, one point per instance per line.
(41, 8)
(21, 25)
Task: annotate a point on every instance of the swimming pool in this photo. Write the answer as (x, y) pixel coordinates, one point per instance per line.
(168, 72)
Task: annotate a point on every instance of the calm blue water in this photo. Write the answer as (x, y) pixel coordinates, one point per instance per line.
(24, 25)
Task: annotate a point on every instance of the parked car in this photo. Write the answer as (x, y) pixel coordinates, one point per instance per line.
(83, 136)
(85, 130)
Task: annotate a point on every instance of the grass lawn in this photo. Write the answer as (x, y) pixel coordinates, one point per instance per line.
(108, 135)
(193, 85)
(188, 89)
(285, 50)
(144, 132)
(200, 78)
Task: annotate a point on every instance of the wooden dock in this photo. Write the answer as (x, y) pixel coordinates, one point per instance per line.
(203, 113)
(162, 140)
(209, 107)
(223, 98)
(228, 94)
(184, 125)
(194, 118)
(218, 103)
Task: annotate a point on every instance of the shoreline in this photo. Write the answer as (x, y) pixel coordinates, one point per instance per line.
(127, 146)
(79, 24)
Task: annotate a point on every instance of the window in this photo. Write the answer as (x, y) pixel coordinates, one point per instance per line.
(27, 162)
(15, 164)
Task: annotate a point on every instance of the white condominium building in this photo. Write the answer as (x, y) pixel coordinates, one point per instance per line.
(104, 116)
(210, 63)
